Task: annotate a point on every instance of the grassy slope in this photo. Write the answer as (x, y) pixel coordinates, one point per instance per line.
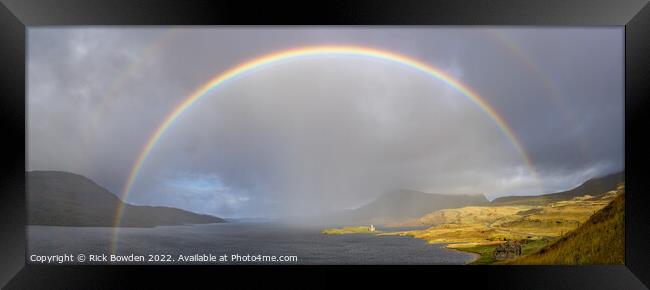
(489, 225)
(485, 251)
(601, 240)
(479, 229)
(536, 221)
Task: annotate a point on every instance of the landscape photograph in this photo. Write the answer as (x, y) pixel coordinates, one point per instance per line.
(423, 145)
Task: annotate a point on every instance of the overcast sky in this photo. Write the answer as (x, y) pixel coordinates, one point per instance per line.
(328, 132)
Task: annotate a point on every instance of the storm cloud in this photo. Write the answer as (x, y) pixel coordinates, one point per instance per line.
(329, 132)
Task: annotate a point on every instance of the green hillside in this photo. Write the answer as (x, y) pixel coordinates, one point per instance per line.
(600, 240)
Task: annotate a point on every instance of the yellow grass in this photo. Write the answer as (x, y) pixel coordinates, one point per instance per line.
(349, 230)
(478, 229)
(600, 240)
(485, 225)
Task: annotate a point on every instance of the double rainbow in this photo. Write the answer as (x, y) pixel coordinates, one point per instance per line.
(268, 59)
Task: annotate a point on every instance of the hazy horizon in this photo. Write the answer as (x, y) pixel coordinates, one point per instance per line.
(324, 133)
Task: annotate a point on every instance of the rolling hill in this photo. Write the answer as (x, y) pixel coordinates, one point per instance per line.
(584, 229)
(400, 206)
(66, 199)
(492, 224)
(600, 240)
(594, 187)
(414, 208)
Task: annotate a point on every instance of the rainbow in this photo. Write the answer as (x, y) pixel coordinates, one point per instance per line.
(553, 91)
(268, 59)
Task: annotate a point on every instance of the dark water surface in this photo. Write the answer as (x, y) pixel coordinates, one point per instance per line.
(243, 238)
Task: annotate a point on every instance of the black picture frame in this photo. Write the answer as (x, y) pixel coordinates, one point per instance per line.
(17, 15)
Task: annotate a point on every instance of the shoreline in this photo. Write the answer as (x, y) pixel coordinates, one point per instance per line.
(475, 256)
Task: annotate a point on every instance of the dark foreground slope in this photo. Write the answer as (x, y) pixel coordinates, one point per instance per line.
(600, 240)
(595, 186)
(66, 199)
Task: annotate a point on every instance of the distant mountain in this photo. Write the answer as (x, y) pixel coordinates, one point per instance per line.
(594, 187)
(66, 199)
(402, 205)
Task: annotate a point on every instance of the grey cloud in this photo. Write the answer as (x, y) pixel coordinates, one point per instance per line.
(332, 132)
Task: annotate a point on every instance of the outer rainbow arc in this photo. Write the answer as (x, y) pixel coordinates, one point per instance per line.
(293, 53)
(534, 68)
